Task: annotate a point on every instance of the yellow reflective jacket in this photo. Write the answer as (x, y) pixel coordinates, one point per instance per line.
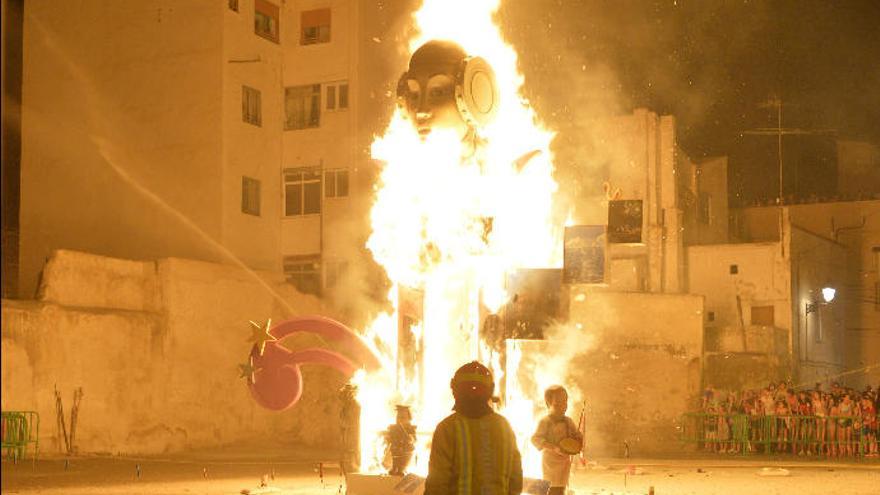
(474, 456)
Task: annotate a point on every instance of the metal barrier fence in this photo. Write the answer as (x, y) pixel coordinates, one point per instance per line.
(19, 428)
(786, 434)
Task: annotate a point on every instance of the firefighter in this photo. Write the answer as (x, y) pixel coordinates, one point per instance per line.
(474, 450)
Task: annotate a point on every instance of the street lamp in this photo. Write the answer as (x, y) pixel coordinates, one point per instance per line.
(828, 293)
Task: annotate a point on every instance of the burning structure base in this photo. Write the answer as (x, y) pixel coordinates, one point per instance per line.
(411, 484)
(383, 484)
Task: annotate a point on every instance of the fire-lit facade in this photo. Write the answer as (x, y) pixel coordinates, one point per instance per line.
(262, 115)
(253, 112)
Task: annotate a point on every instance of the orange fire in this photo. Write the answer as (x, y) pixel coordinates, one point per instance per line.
(431, 200)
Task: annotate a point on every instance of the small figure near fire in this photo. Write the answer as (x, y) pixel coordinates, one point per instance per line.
(558, 439)
(401, 441)
(474, 449)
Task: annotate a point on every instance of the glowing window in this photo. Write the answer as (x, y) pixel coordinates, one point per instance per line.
(315, 27)
(304, 272)
(762, 315)
(336, 183)
(266, 20)
(336, 96)
(250, 196)
(302, 107)
(302, 192)
(251, 111)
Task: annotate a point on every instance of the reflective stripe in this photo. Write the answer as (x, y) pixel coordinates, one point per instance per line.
(473, 377)
(463, 446)
(496, 464)
(507, 458)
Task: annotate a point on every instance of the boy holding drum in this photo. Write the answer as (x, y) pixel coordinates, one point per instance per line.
(558, 439)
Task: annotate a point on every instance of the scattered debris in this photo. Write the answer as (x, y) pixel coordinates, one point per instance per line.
(768, 471)
(632, 470)
(259, 491)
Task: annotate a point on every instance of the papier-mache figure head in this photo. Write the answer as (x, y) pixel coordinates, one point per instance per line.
(445, 88)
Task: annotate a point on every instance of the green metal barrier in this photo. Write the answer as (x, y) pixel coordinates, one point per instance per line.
(800, 435)
(19, 429)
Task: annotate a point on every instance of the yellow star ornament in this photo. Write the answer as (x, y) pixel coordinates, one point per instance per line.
(260, 335)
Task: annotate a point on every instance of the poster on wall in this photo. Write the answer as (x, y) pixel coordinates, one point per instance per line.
(584, 254)
(625, 220)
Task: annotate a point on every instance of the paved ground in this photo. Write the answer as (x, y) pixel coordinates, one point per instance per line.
(209, 475)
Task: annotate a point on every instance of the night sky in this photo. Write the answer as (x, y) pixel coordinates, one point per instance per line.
(709, 63)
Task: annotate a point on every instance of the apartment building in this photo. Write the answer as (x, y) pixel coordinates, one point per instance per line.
(220, 131)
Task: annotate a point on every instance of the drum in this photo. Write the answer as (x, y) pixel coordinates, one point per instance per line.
(570, 446)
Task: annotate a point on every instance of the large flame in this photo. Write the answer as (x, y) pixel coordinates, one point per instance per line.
(429, 232)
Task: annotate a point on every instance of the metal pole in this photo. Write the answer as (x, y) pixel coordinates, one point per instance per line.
(779, 147)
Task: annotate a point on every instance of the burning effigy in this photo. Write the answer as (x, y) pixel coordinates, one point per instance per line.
(464, 201)
(465, 198)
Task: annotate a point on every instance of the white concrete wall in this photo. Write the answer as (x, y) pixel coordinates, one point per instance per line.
(121, 130)
(643, 165)
(641, 370)
(762, 279)
(856, 225)
(708, 177)
(110, 354)
(111, 283)
(163, 380)
(820, 342)
(333, 144)
(248, 150)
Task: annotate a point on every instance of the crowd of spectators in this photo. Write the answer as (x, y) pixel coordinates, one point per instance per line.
(840, 422)
(791, 199)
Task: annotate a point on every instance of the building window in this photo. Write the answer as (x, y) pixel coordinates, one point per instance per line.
(762, 315)
(333, 272)
(302, 191)
(250, 106)
(233, 5)
(315, 27)
(710, 316)
(336, 96)
(266, 20)
(250, 196)
(302, 107)
(336, 183)
(704, 208)
(876, 296)
(734, 269)
(304, 272)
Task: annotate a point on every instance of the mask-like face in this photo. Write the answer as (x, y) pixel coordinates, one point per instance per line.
(427, 89)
